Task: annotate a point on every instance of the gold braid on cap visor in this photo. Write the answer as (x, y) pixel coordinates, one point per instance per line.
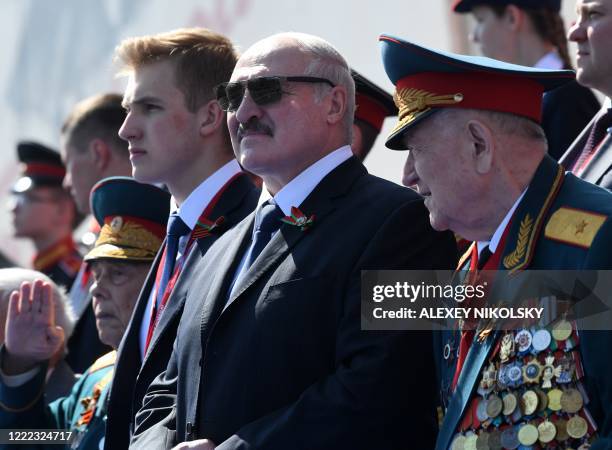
(412, 102)
(132, 239)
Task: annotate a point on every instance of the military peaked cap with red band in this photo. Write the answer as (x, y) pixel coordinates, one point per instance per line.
(373, 103)
(132, 217)
(41, 166)
(465, 6)
(426, 80)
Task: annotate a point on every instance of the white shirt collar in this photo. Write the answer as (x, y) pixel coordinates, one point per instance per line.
(550, 60)
(494, 242)
(296, 191)
(200, 197)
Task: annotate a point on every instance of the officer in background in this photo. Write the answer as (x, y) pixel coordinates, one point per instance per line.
(478, 156)
(532, 33)
(372, 105)
(45, 213)
(132, 217)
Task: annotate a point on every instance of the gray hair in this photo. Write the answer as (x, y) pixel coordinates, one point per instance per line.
(11, 279)
(505, 123)
(327, 62)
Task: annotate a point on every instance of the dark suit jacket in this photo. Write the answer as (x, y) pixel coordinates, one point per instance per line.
(598, 170)
(565, 112)
(132, 380)
(284, 363)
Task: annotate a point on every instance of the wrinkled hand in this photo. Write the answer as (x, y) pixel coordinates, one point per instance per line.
(31, 335)
(200, 444)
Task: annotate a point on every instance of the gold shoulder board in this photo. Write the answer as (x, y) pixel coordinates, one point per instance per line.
(104, 361)
(574, 226)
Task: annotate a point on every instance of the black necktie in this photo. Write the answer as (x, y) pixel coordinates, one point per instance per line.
(597, 134)
(176, 228)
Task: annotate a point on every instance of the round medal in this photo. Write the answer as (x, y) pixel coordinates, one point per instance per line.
(482, 443)
(540, 340)
(494, 406)
(546, 431)
(571, 401)
(514, 374)
(528, 434)
(562, 330)
(529, 402)
(481, 410)
(470, 442)
(458, 442)
(495, 440)
(510, 403)
(509, 439)
(554, 399)
(523, 340)
(577, 427)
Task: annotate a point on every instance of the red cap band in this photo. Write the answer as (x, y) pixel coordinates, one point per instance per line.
(370, 111)
(488, 91)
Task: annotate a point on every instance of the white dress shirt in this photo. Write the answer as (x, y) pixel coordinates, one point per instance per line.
(295, 192)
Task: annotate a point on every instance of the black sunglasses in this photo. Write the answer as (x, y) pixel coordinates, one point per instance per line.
(263, 90)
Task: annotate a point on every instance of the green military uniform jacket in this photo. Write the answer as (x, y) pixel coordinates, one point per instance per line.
(83, 411)
(561, 223)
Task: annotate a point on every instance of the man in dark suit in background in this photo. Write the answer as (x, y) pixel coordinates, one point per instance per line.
(177, 135)
(270, 353)
(91, 151)
(590, 156)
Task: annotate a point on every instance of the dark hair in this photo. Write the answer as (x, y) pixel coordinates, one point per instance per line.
(99, 116)
(549, 25)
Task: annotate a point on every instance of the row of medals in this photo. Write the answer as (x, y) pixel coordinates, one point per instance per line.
(530, 395)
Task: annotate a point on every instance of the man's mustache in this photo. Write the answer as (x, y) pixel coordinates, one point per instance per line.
(254, 125)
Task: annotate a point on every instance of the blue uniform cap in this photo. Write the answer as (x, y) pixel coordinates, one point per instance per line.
(426, 80)
(132, 217)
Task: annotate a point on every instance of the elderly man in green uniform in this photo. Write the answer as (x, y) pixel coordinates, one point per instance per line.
(132, 217)
(478, 155)
(45, 213)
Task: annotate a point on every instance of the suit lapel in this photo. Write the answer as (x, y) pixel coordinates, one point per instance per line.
(601, 162)
(574, 150)
(528, 219)
(465, 385)
(279, 246)
(226, 269)
(320, 204)
(231, 206)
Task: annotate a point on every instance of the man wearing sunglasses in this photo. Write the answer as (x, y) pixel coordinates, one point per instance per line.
(177, 136)
(270, 353)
